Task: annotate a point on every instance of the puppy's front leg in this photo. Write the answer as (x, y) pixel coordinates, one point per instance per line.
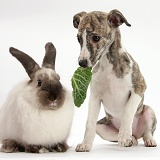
(93, 112)
(125, 131)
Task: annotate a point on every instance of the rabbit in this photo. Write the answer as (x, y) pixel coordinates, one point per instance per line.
(37, 115)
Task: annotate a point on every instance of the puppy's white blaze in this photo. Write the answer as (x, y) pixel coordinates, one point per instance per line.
(84, 51)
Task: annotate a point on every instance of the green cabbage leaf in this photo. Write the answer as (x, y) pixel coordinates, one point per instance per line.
(80, 82)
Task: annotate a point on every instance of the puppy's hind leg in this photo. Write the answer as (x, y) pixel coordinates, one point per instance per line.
(107, 131)
(150, 122)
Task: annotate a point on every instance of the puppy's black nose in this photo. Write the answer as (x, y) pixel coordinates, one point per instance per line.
(83, 63)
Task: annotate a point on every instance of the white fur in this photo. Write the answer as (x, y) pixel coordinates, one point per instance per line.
(22, 120)
(84, 51)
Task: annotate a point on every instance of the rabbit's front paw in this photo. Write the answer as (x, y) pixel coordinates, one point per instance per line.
(36, 149)
(10, 146)
(61, 147)
(83, 147)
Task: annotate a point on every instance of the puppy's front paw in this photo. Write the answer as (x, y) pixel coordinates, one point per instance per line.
(83, 148)
(125, 139)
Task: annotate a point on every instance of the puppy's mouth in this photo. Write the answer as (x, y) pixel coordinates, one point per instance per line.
(86, 64)
(91, 61)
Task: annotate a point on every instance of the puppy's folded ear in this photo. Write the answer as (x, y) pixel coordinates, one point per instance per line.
(77, 19)
(116, 18)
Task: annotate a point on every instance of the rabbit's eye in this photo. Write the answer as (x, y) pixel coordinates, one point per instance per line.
(39, 82)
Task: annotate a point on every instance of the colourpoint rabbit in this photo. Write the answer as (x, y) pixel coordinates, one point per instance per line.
(37, 115)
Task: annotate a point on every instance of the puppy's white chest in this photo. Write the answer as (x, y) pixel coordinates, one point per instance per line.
(112, 91)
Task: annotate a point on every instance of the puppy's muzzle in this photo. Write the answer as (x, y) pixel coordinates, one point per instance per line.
(83, 63)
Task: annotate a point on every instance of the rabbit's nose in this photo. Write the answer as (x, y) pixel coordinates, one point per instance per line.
(52, 97)
(53, 104)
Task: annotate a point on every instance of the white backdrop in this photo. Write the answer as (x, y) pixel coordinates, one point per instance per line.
(29, 25)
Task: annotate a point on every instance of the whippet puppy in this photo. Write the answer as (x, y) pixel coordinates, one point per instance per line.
(116, 82)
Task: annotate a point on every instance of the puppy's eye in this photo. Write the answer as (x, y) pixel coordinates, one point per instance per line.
(96, 38)
(39, 82)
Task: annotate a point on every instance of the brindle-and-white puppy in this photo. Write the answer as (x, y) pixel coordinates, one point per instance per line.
(116, 82)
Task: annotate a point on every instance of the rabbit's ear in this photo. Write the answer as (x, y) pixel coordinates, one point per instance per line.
(50, 56)
(28, 63)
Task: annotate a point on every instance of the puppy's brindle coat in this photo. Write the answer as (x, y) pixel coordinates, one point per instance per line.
(116, 82)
